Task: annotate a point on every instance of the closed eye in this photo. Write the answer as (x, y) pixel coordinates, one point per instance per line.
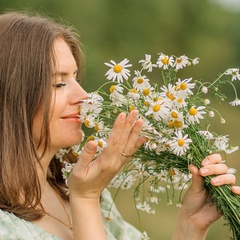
(58, 85)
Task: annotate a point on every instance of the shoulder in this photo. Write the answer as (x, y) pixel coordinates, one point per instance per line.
(12, 227)
(116, 227)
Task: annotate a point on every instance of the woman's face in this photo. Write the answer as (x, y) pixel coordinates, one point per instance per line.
(67, 94)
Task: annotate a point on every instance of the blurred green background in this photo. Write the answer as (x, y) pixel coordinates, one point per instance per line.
(115, 30)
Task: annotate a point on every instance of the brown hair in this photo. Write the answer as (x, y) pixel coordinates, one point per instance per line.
(26, 59)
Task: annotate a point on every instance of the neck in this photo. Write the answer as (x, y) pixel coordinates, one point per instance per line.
(43, 169)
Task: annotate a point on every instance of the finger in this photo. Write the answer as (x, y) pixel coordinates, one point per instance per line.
(213, 169)
(197, 184)
(212, 159)
(132, 144)
(236, 190)
(223, 179)
(121, 130)
(86, 156)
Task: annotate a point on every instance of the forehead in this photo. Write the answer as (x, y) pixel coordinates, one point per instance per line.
(63, 56)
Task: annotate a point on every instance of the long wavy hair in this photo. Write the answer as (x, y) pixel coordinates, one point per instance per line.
(26, 63)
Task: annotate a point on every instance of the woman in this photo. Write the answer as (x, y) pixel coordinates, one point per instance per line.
(39, 107)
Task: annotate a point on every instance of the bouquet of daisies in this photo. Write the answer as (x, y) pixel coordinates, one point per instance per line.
(177, 115)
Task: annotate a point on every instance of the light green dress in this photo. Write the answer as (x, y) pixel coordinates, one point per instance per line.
(14, 228)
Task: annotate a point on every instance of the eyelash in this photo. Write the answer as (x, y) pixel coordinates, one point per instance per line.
(59, 85)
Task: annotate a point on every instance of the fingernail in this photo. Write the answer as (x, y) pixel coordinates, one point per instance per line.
(215, 180)
(205, 162)
(204, 171)
(90, 147)
(122, 117)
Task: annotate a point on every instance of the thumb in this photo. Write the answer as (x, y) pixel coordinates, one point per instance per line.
(197, 183)
(87, 155)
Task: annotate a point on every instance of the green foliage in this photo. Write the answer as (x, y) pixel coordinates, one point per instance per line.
(116, 29)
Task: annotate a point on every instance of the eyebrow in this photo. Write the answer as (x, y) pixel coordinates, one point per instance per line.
(61, 73)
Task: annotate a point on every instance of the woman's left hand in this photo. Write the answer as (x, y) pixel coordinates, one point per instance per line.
(198, 212)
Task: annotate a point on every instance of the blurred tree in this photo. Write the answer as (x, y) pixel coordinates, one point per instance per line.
(132, 28)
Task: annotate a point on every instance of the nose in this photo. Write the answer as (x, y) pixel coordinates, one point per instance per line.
(79, 94)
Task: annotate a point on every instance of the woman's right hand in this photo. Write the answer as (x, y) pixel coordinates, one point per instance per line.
(89, 177)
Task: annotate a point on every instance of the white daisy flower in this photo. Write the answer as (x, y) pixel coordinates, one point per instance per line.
(195, 61)
(206, 101)
(221, 143)
(168, 91)
(101, 143)
(236, 102)
(158, 110)
(147, 63)
(144, 236)
(76, 150)
(133, 94)
(145, 207)
(125, 180)
(176, 119)
(204, 90)
(140, 82)
(222, 120)
(91, 106)
(61, 153)
(194, 114)
(116, 96)
(118, 71)
(181, 62)
(183, 88)
(206, 134)
(231, 150)
(164, 61)
(234, 72)
(66, 170)
(232, 170)
(89, 120)
(211, 114)
(95, 97)
(179, 103)
(180, 144)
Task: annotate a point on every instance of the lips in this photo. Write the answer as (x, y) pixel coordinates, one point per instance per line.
(73, 117)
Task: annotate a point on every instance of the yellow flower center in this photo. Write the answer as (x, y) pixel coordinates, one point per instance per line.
(131, 108)
(172, 172)
(171, 124)
(156, 108)
(193, 111)
(174, 114)
(171, 97)
(178, 124)
(86, 122)
(140, 80)
(180, 142)
(183, 86)
(100, 144)
(179, 100)
(75, 154)
(146, 91)
(146, 103)
(179, 60)
(165, 60)
(96, 128)
(157, 99)
(90, 138)
(133, 90)
(117, 68)
(112, 88)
